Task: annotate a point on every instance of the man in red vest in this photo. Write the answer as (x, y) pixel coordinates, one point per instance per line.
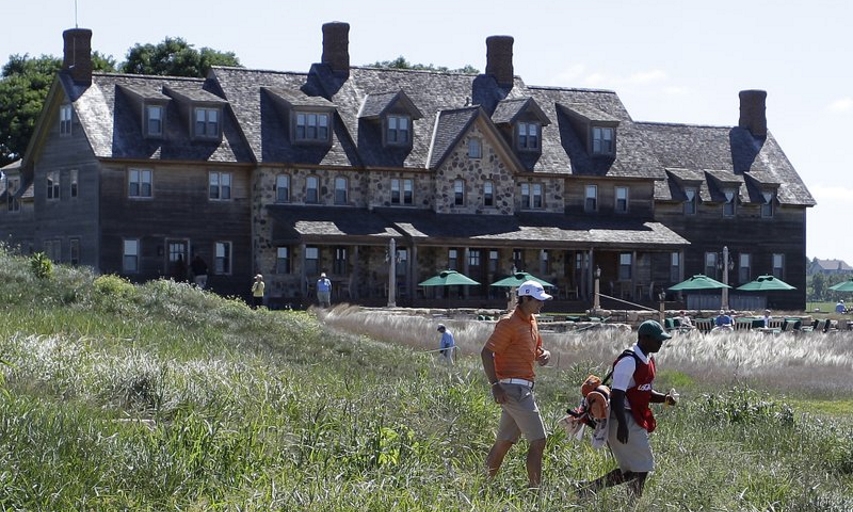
(631, 419)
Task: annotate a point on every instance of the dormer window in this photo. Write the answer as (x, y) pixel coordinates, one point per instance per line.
(690, 201)
(206, 125)
(602, 140)
(65, 117)
(528, 136)
(730, 203)
(154, 115)
(767, 205)
(398, 131)
(312, 126)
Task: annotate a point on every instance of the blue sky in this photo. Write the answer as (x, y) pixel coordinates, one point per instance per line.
(669, 60)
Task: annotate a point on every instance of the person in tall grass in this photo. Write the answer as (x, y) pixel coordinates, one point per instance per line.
(631, 419)
(324, 291)
(447, 344)
(258, 291)
(508, 358)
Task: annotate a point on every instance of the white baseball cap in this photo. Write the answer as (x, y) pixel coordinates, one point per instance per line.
(533, 289)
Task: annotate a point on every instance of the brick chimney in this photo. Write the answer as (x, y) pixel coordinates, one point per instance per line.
(77, 55)
(752, 112)
(336, 46)
(499, 59)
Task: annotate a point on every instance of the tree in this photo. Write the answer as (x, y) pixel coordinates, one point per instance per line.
(24, 84)
(401, 63)
(175, 57)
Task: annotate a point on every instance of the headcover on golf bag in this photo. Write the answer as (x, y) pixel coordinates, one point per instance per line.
(594, 408)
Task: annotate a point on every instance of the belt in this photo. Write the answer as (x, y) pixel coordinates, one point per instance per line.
(520, 382)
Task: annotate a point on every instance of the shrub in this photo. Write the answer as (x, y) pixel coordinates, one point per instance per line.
(41, 265)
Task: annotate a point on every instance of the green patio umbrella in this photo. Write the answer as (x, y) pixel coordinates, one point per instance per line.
(515, 280)
(766, 283)
(448, 278)
(697, 283)
(843, 286)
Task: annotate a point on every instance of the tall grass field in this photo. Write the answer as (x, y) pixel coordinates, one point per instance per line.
(162, 397)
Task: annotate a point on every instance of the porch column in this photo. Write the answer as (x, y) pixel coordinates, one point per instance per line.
(304, 285)
(392, 273)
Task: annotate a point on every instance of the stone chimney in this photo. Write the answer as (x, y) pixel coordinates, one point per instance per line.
(336, 46)
(499, 59)
(752, 112)
(77, 55)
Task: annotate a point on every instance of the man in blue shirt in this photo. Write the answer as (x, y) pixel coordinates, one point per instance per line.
(447, 344)
(324, 291)
(840, 308)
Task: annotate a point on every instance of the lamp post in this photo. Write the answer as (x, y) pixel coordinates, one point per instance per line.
(392, 273)
(726, 265)
(596, 305)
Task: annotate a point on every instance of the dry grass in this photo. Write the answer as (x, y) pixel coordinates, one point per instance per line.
(803, 361)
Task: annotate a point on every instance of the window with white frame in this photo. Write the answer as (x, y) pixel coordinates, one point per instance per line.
(452, 259)
(312, 260)
(130, 256)
(625, 266)
(53, 250)
(402, 264)
(139, 183)
(675, 267)
(475, 148)
(767, 205)
(690, 201)
(528, 136)
(744, 267)
(779, 265)
(494, 262)
(399, 130)
(282, 188)
(591, 198)
(312, 189)
(621, 204)
(602, 140)
(154, 115)
(312, 126)
(222, 258)
(12, 187)
(74, 251)
(207, 123)
(340, 265)
(710, 264)
(53, 185)
(531, 195)
(474, 257)
(402, 191)
(730, 203)
(73, 183)
(66, 115)
(518, 259)
(219, 186)
(544, 262)
(459, 193)
(341, 188)
(282, 260)
(488, 193)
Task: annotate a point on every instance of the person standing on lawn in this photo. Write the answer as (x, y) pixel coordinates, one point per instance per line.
(631, 420)
(508, 357)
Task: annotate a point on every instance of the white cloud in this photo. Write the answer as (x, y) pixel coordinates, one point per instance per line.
(646, 77)
(841, 105)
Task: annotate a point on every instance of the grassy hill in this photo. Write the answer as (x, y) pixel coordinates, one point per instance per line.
(164, 397)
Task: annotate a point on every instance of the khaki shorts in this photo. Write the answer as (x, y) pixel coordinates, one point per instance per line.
(635, 455)
(520, 415)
